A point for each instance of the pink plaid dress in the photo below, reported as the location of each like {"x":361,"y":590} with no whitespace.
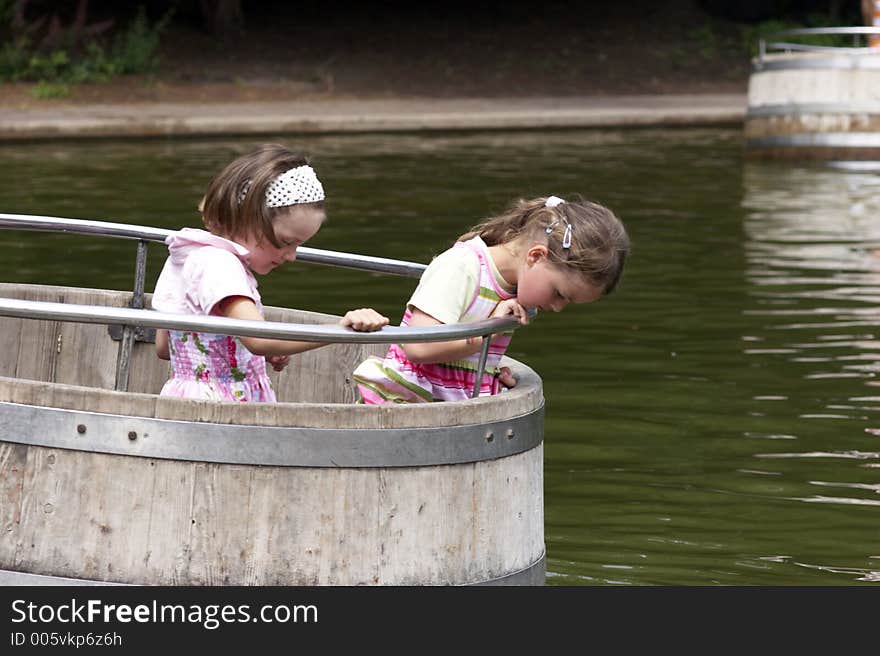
{"x":395,"y":379}
{"x":202,"y":269}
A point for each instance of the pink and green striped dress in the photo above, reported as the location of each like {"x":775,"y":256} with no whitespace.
{"x":395,"y":379}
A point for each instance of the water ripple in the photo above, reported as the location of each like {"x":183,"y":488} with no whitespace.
{"x":863,"y":574}
{"x":849,"y":455}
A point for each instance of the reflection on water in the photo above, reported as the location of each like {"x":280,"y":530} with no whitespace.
{"x":715,"y":421}
{"x":813,"y":257}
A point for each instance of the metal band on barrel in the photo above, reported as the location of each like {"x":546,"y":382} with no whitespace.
{"x":168,"y":439}
{"x":799,"y":109}
{"x":822,"y":139}
{"x":534,"y":574}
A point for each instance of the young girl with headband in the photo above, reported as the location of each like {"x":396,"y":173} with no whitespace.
{"x":256,"y":212}
{"x":540,"y":254}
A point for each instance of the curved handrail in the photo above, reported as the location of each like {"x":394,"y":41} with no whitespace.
{"x":805,"y":47}
{"x":145,"y":233}
{"x":768,"y":41}
{"x":856,"y":29}
{"x":11,"y":307}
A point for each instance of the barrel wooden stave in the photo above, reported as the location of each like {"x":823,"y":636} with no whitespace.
{"x":104,"y":517}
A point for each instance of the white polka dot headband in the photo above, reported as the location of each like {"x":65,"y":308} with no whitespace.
{"x":293,"y":187}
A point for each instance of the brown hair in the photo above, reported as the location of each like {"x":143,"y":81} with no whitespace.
{"x":227,"y":213}
{"x":599,"y":243}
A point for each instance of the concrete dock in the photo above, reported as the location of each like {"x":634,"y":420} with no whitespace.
{"x":341,"y":115}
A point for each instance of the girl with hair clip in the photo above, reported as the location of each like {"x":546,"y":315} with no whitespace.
{"x":540,"y":254}
{"x":256,"y":212}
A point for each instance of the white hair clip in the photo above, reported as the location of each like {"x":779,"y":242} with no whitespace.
{"x":553,"y":201}
{"x":566,"y":237}
{"x":293,"y":187}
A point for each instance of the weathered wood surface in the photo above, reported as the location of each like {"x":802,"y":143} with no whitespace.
{"x":115,"y":518}
{"x":81,"y":354}
{"x":324,"y":374}
{"x":98,"y":516}
{"x":523,"y":399}
{"x":857,"y":86}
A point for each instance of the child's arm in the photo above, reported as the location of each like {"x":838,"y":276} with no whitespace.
{"x":428,"y":352}
{"x":241,"y":307}
{"x":162,"y":344}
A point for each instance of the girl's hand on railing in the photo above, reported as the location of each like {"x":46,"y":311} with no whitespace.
{"x":511,"y":306}
{"x":278,"y":362}
{"x":365,"y":320}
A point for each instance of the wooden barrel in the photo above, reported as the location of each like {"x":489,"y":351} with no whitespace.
{"x":814,"y":105}
{"x":100,"y":486}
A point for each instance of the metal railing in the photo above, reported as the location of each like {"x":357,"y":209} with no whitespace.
{"x":135,"y":316}
{"x":147,"y":234}
{"x":769,"y":42}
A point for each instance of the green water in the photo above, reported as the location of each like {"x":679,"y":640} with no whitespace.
{"x":715,"y":421}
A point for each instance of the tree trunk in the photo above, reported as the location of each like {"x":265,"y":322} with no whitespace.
{"x":223,"y":17}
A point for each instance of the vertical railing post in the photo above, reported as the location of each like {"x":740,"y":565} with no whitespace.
{"x":481,"y":367}
{"x":123,"y":362}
